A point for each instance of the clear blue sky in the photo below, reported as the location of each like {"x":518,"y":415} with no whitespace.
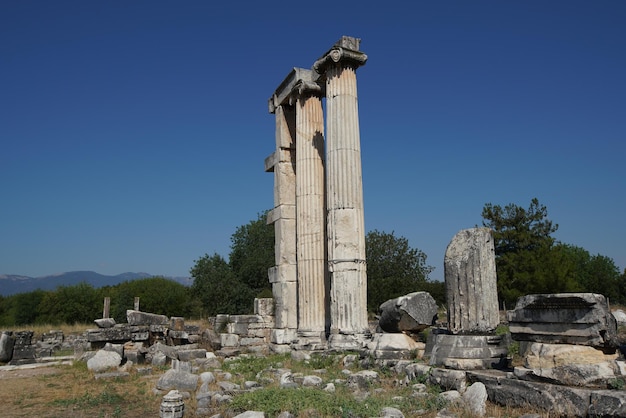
{"x":133,"y":133}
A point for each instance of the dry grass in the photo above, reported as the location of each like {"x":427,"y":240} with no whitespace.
{"x":72,"y":391}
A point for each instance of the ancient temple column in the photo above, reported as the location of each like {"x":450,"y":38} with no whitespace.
{"x":471,"y":282}
{"x":346,"y":230}
{"x":310,"y":212}
{"x":283,"y":216}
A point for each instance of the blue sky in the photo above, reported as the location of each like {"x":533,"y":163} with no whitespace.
{"x":133,"y":134}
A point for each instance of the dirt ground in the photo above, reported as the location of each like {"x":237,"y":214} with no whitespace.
{"x":68,"y":391}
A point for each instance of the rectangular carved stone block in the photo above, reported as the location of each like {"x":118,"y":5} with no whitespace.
{"x":564,"y":318}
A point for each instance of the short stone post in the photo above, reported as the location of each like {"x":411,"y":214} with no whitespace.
{"x":136,"y":303}
{"x":172,"y":405}
{"x":107,"y":307}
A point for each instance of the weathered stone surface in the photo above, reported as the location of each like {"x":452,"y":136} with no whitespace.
{"x":475,"y":399}
{"x":105,"y":322}
{"x":469,"y":352}
{"x":564,"y":318}
{"x":103,"y":360}
{"x":7,"y":341}
{"x":119,"y":332}
{"x":412,"y":313}
{"x":188,"y":355}
{"x":362,"y":379}
{"x":172,"y":405}
{"x":470,"y":275}
{"x":144,"y":318}
{"x":180,"y":380}
{"x":390,"y":412}
{"x":264,"y":306}
{"x":559,"y":400}
{"x":620,"y":317}
{"x":448,"y":379}
{"x":605,"y":403}
{"x":542,"y":356}
{"x":312,"y":380}
{"x":251,"y":414}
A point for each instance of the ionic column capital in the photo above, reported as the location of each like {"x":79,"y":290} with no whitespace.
{"x":339,"y":55}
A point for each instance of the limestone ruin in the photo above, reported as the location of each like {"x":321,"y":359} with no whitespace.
{"x":319,"y":282}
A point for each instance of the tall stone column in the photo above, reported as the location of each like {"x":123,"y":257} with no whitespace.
{"x":310,"y":213}
{"x":283,"y":216}
{"x":346,"y":230}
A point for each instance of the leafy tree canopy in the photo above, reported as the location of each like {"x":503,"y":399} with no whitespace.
{"x":217,"y":288}
{"x":252,"y":253}
{"x":394,"y":268}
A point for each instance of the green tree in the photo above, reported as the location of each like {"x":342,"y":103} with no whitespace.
{"x":80,"y":303}
{"x":523,"y":243}
{"x":252,"y":253}
{"x":217,"y":288}
{"x":24,"y":306}
{"x":157,"y":295}
{"x":393,"y":268}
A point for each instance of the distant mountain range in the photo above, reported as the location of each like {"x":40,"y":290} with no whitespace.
{"x":11,"y":284}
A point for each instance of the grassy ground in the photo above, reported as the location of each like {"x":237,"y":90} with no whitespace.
{"x":72,"y":391}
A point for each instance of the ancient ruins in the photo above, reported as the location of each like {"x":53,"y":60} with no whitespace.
{"x":569,"y":361}
{"x":319,"y":282}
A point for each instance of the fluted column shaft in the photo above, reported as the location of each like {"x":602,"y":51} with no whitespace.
{"x":310,"y":215}
{"x":346,"y":230}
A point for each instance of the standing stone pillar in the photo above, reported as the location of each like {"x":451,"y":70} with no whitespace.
{"x":283,"y":216}
{"x":470,"y":274}
{"x":310,"y":212}
{"x":346,"y":230}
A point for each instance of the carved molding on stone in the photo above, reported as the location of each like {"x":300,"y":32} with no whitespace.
{"x":339,"y":54}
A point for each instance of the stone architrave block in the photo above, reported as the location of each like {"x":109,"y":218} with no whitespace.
{"x":564,"y":318}
{"x":144,"y":318}
{"x":471,"y":283}
{"x":411,"y":313}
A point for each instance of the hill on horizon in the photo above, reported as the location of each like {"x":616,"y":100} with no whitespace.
{"x":11,"y":284}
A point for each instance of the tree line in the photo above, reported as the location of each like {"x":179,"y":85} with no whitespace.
{"x":528,"y":260}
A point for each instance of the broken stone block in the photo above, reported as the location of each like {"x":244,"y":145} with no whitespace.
{"x":105,"y":322}
{"x":144,"y":318}
{"x":469,"y":352}
{"x":564,"y":318}
{"x":565,"y":364}
{"x":264,"y":306}
{"x":104,"y":360}
{"x":7,"y":341}
{"x":410,"y":313}
{"x":471,"y":285}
